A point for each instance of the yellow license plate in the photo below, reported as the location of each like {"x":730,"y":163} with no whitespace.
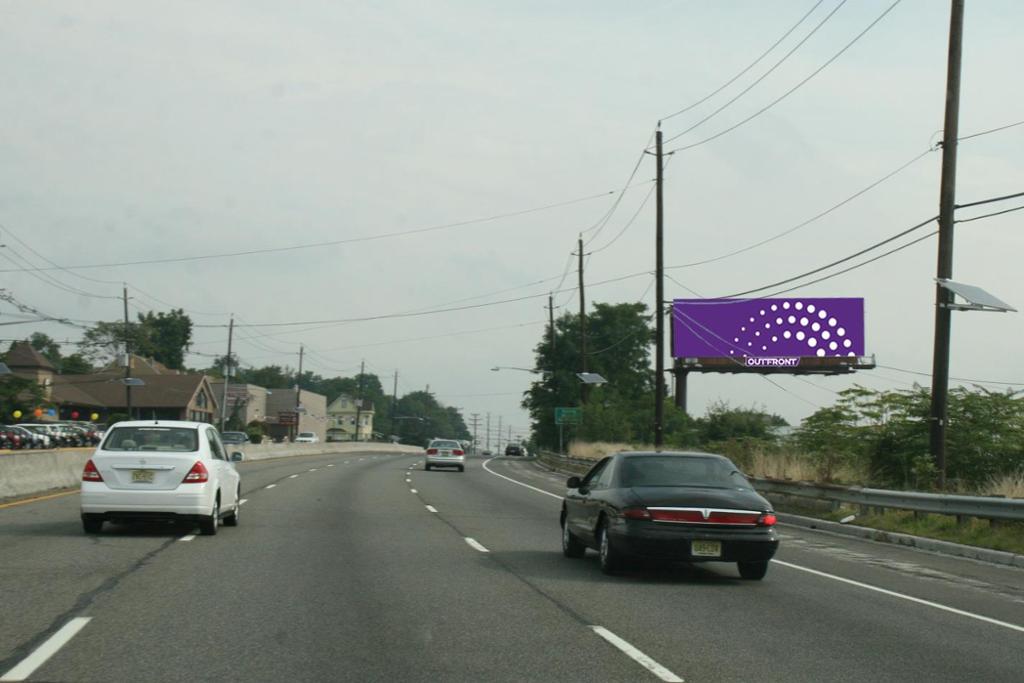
{"x":142,"y":476}
{"x":706,"y":548}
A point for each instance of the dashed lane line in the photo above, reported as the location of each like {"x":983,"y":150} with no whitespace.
{"x":637,"y":656}
{"x":27,"y":666}
{"x":293,"y":476}
{"x":476,"y":545}
{"x":270,"y":486}
{"x":431,"y":508}
{"x":243,"y":501}
{"x":413,"y":491}
{"x":188,"y":537}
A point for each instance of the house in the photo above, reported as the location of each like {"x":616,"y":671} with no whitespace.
{"x":25,"y":362}
{"x":245,"y":402}
{"x":342,"y":415}
{"x":290,"y":412}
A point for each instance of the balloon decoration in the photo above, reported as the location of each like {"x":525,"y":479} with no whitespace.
{"x":17,"y":414}
{"x":94,"y":417}
{"x":74,"y":414}
{"x":38,"y":412}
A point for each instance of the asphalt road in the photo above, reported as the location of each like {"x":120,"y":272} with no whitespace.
{"x":356,"y":567}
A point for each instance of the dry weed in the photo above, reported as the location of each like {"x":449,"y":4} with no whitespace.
{"x":1011,"y":486}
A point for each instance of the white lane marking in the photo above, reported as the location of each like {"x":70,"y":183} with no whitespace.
{"x":293,"y":476}
{"x":42,"y":653}
{"x":431,"y":508}
{"x":243,"y":501}
{"x":637,"y":656}
{"x":408,"y":481}
{"x":894,"y":594}
{"x":270,"y":486}
{"x":413,"y":491}
{"x":361,"y":459}
{"x":476,"y":545}
{"x":313,"y":470}
{"x":331,"y":465}
{"x":532,"y":488}
{"x":187,"y":537}
{"x":345,"y":463}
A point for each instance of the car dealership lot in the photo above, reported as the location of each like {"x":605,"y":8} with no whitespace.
{"x":361,"y":566}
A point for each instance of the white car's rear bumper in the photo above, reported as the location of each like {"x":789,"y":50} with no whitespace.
{"x":186,"y":500}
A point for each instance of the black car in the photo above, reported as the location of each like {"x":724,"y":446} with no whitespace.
{"x":512,"y":449}
{"x":691,"y":507}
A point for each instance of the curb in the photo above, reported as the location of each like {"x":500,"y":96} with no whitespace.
{"x":918,"y":542}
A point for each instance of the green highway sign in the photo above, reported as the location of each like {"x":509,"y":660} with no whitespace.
{"x":568,"y":416}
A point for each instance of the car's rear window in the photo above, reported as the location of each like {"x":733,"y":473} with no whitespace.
{"x":445,"y":444}
{"x":172,"y":439}
{"x":306,"y":434}
{"x":667,"y":470}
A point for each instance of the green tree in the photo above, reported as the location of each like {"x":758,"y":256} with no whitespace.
{"x":165,"y":337}
{"x":45,"y":345}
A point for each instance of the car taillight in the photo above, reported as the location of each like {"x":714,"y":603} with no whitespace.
{"x":456,"y":452}
{"x":636,"y":513}
{"x":767,"y":519}
{"x":90,"y":473}
{"x":197,"y":475}
{"x":431,"y":451}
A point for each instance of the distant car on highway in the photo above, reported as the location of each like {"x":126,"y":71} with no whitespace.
{"x":307,"y":437}
{"x":234,"y":438}
{"x":445,"y":453}
{"x":513,"y":449}
{"x":692,"y":507}
{"x":161,"y":470}
{"x":487,"y":451}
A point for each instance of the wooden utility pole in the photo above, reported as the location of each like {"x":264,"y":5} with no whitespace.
{"x":947,"y":204}
{"x":659,"y":298}
{"x":298,"y":392}
{"x":227,"y":375}
{"x":127,"y":357}
{"x":394,"y":405}
{"x":583,"y":328}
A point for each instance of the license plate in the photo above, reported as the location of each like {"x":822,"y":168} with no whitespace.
{"x":706,"y":549}
{"x":142,"y":476}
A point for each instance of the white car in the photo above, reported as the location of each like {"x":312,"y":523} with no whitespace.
{"x":163,"y":470}
{"x":307,"y":437}
{"x":445,"y":453}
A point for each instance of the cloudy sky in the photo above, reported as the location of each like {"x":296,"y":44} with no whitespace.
{"x":136,"y":131}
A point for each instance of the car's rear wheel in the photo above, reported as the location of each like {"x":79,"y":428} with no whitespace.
{"x":92,"y":524}
{"x":612,"y":560}
{"x":208,"y":526}
{"x":571,"y":546}
{"x":753,"y":571}
{"x":232,"y":517}
{"x":462,"y":468}
{"x":426,"y":468}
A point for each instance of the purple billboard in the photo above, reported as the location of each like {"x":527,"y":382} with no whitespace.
{"x":768,"y":332}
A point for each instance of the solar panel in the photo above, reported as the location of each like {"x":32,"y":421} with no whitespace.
{"x":977,"y":298}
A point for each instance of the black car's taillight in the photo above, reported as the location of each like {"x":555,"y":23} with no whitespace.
{"x":636,"y":513}
{"x":767,"y":519}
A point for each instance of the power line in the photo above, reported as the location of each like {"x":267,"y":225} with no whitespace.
{"x":990,"y":200}
{"x":991,"y":130}
{"x":794,"y":88}
{"x":313,"y":245}
{"x":958,"y":379}
{"x":764,"y":75}
{"x":810,"y":220}
{"x":989,"y":215}
{"x":749,"y":66}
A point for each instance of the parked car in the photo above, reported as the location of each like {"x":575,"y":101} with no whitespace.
{"x":161,"y":470}
{"x":307,"y":437}
{"x":234,"y":438}
{"x":445,"y":453}
{"x":9,"y":439}
{"x":694,"y":507}
{"x":30,"y":439}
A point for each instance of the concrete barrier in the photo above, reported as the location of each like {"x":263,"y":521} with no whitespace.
{"x":26,"y":473}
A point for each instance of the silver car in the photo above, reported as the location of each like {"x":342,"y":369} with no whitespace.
{"x":445,"y":453}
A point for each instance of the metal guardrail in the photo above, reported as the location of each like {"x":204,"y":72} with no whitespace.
{"x":982,"y":507}
{"x":1009,"y":509}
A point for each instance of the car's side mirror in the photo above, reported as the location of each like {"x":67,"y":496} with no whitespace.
{"x":573,"y":482}
{"x":237,"y":456}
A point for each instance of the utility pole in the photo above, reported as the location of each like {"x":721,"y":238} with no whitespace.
{"x":551,"y":328}
{"x":474,"y":420}
{"x":583,"y":328}
{"x":659,"y":298}
{"x":394,"y":404}
{"x":510,"y":433}
{"x":227,"y":375}
{"x":947,"y":204}
{"x":359,"y":399}
{"x":499,"y":433}
{"x":298,"y":390}
{"x":488,"y":431}
{"x":127,"y":357}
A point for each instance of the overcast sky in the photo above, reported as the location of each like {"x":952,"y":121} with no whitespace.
{"x":146,"y":130}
